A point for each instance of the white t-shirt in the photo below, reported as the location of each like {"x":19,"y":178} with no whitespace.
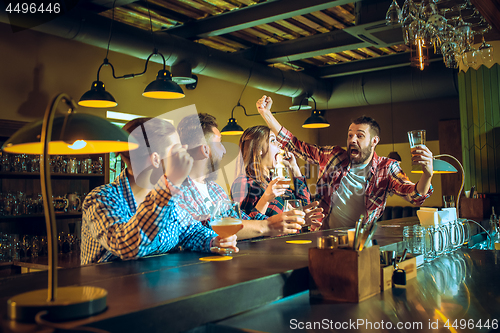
{"x":203,"y":188}
{"x":348,"y":201}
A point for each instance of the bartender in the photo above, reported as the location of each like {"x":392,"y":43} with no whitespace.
{"x":355,"y":181}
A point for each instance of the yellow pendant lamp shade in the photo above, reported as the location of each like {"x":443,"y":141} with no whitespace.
{"x":163,"y":87}
{"x":97,"y":97}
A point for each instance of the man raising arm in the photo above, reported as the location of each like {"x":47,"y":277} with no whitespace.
{"x":355,"y":181}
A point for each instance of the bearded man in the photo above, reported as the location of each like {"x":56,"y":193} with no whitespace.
{"x":355,"y":181}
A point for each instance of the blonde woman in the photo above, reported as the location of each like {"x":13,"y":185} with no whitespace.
{"x":253,"y":187}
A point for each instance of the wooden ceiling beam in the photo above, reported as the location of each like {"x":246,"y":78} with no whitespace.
{"x":490,"y":9}
{"x":252,"y":16}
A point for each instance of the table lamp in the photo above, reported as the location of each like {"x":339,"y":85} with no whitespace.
{"x":77,"y":134}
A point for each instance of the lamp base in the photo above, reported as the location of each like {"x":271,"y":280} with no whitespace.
{"x":71,"y":303}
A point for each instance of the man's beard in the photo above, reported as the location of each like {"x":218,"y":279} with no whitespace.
{"x":212,"y":169}
{"x":362,"y":155}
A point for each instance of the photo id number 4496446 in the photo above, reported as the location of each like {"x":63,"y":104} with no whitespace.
{"x":33,"y":8}
{"x":463,"y":324}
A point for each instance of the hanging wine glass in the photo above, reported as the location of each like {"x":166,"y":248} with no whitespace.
{"x":428,"y":8}
{"x":486,"y":51}
{"x":407,"y":37}
{"x":393,"y":15}
{"x":470,"y":56}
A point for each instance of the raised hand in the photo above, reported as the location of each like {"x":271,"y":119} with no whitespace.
{"x":178,"y":164}
{"x":264,"y":104}
{"x":423,"y":156}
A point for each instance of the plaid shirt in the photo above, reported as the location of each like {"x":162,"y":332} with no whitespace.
{"x":385,"y":176}
{"x":247,"y":191}
{"x":114,"y":226}
{"x":193,"y":201}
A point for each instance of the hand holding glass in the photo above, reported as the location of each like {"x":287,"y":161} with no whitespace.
{"x":226,"y":222}
{"x":281,"y":172}
{"x":294,"y":204}
{"x":416,"y":138}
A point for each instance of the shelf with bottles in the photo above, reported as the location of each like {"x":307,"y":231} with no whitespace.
{"x":21,"y":199}
{"x":24,"y":165}
{"x":30,"y":250}
{"x":20,"y":218}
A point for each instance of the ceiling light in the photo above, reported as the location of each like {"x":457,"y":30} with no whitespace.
{"x":300,"y":103}
{"x":181,"y":73}
{"x":97,"y":96}
{"x":232,"y":127}
{"x":121,"y":115}
{"x":163,"y":87}
{"x":316,"y":120}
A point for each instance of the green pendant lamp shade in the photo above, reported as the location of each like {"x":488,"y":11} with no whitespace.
{"x":163,"y":87}
{"x":232,"y":128}
{"x":80,"y":134}
{"x":316,"y":120}
{"x":97,"y":97}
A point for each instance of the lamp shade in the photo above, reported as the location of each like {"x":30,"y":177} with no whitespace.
{"x":300,"y":103}
{"x":438,"y":167}
{"x":82,"y":134}
{"x":316,"y":120}
{"x":232,"y":128}
{"x":163,"y":87}
{"x":181,"y":73}
{"x":97,"y":97}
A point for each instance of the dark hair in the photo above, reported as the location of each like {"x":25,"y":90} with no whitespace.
{"x":252,"y":142}
{"x":152,"y":134}
{"x":369,"y":121}
{"x":189,"y":132}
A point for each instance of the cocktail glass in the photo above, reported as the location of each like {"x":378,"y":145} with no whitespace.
{"x":226,"y":222}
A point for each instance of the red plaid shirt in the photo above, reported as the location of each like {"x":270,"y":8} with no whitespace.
{"x":385,"y":176}
{"x":247,"y":191}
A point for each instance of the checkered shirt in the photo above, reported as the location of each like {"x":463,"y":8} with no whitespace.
{"x":385,"y":177}
{"x":192,"y":201}
{"x":247,"y":191}
{"x":114,"y":226}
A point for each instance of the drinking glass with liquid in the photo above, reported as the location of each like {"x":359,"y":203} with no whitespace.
{"x":226,"y":221}
{"x":416,"y":139}
{"x":295,"y":204}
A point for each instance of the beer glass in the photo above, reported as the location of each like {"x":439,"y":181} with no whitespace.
{"x":281,"y":172}
{"x":416,"y":138}
{"x":295,"y":204}
{"x":226,"y":221}
{"x":434,"y":243}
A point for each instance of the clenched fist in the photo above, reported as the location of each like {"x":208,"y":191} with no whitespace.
{"x":178,"y":164}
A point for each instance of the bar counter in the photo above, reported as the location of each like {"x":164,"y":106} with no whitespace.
{"x":263,"y":288}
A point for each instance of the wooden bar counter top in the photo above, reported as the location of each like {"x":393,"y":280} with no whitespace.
{"x":177,"y":292}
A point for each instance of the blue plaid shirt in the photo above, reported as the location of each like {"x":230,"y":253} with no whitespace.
{"x":192,"y":201}
{"x":115,"y":226}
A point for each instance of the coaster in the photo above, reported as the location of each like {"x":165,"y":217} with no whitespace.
{"x":216,"y":258}
{"x":299,"y":241}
